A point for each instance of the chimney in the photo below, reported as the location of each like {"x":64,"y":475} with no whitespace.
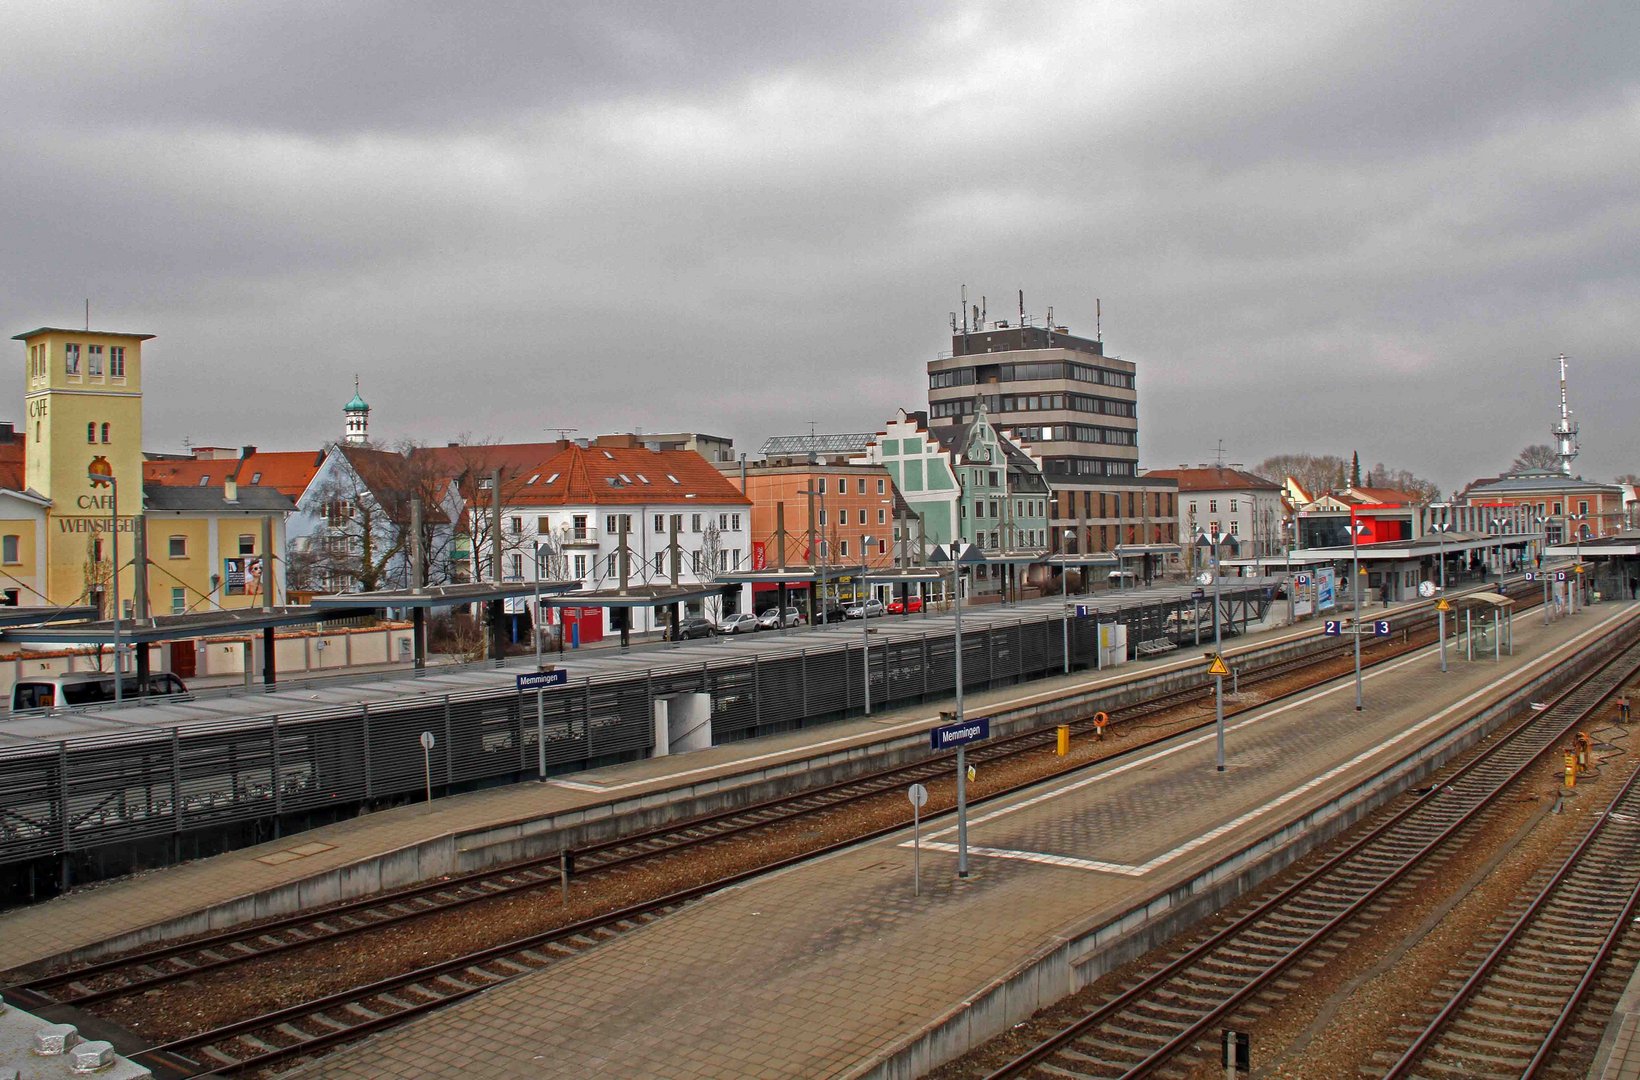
{"x":7,"y":432}
{"x":230,"y":490}
{"x":247,"y":451}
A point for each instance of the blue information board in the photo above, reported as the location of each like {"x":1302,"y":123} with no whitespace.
{"x":953,"y":735}
{"x":540,"y":680}
{"x":1332,"y":627}
{"x":1380,"y":627}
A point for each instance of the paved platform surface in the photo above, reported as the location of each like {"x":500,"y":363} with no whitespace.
{"x":110,"y":909}
{"x":1619,"y":1056}
{"x":822,"y":969}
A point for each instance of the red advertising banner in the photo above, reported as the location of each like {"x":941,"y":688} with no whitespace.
{"x":760,"y":555}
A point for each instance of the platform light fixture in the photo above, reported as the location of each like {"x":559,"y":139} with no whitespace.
{"x":1355,"y":590}
{"x":1214,"y":541}
{"x":1440,"y":532}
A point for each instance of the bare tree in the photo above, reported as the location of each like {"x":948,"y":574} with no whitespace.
{"x":1536,"y":456}
{"x":1316,"y":474}
{"x":711,"y":550}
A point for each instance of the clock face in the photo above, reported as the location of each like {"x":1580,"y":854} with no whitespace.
{"x":1426,"y":588}
{"x":1204,"y":578}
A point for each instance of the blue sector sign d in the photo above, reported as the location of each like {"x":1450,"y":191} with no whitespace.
{"x":951,"y":735}
{"x":540,"y":680}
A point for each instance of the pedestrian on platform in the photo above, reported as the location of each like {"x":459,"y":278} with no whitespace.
{"x":1634,"y":587}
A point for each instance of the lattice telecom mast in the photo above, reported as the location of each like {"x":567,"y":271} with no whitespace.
{"x":1565,"y":432}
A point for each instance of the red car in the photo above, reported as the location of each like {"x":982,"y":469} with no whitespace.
{"x":911,"y":604}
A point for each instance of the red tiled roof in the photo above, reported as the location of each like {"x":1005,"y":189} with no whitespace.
{"x":13,"y":471}
{"x":287,"y":471}
{"x":1385,"y":495}
{"x":451,"y":462}
{"x":1213,"y":479}
{"x":617,"y":475}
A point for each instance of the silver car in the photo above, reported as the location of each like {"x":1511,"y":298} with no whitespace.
{"x":772,"y":619}
{"x":738,"y":624}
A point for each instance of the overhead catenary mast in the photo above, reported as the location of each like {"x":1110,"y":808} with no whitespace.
{"x":1565,"y":431}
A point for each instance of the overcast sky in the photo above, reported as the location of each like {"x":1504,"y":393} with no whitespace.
{"x":1314,"y":226}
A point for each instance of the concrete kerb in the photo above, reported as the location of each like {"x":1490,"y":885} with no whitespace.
{"x":467,"y":850}
{"x":1080,"y":955}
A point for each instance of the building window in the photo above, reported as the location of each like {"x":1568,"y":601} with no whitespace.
{"x":862,"y":485}
{"x":609,"y":565}
{"x":179,"y":547}
{"x":105,"y":434}
{"x":723,"y":521}
{"x":882,"y":517}
{"x":247,"y":544}
{"x":204,"y":481}
{"x":862,"y":517}
{"x":882,"y":547}
{"x":518,"y":566}
{"x":842,"y":549}
{"x":71,"y":359}
{"x":580,"y":566}
{"x":660,"y":523}
{"x":93,"y":361}
{"x":1583,"y":506}
{"x":660,"y":562}
{"x":822,"y":518}
{"x":723,"y":560}
{"x":734,"y":522}
{"x":882,"y":486}
{"x":516,"y":524}
{"x":179,"y":600}
{"x":1212,"y":508}
{"x":256,"y":478}
{"x":842,"y":485}
{"x":1232,"y":506}
{"x":694,"y":563}
{"x":8,"y":549}
{"x":91,"y":432}
{"x":116,"y":361}
{"x":694,"y":523}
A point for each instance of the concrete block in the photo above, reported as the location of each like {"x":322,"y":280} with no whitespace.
{"x":91,"y":1056}
{"x":54,"y":1039}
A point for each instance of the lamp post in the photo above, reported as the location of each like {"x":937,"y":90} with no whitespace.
{"x":1543,"y":522}
{"x":1287,"y":558}
{"x":865,"y":622}
{"x":540,"y":695}
{"x":1355,"y":591}
{"x":1213,"y":540}
{"x":1064,"y":601}
{"x":962,"y":750}
{"x":1577,"y":569}
{"x":1498,"y":525}
{"x":1440,"y":612}
{"x":114,"y":574}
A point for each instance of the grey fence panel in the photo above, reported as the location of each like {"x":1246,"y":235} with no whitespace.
{"x":29,"y":787}
{"x":224,"y":776}
{"x":621,"y":721}
{"x":828,"y":674}
{"x":942,"y":665}
{"x":902,"y":660}
{"x":734,"y":700}
{"x":780,"y":691}
{"x":119,"y":792}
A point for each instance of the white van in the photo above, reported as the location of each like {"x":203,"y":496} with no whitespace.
{"x":87,"y":688}
{"x":1123,"y":579}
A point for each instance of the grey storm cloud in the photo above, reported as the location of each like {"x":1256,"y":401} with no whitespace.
{"x":1323,"y":227}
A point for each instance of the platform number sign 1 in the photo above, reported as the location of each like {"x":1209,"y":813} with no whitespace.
{"x":1332,"y":627}
{"x":1380,"y":627}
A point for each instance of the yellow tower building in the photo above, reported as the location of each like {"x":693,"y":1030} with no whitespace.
{"x":83,"y":449}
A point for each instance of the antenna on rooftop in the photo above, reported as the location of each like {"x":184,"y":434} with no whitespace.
{"x":1098,"y":321}
{"x":564,"y":432}
{"x":1565,"y":431}
{"x":965,"y":309}
{"x":1022,"y":307}
{"x":1218,"y":455}
{"x":88,"y":314}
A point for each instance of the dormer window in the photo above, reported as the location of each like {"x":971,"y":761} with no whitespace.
{"x":642,"y":479}
{"x":205,"y":481}
{"x":608,"y":455}
{"x":553,"y":478}
{"x":256,"y":478}
{"x":672,"y":478}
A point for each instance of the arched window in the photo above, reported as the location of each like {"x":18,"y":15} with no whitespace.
{"x":91,"y":432}
{"x":105,"y":433}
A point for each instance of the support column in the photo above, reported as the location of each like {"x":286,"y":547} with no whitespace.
{"x":418,"y":637}
{"x":269,"y":664}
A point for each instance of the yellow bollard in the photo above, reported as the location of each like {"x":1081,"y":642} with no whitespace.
{"x":1064,"y":745}
{"x":1571,"y":769}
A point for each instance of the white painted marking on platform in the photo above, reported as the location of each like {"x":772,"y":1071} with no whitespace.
{"x":1047,"y":859}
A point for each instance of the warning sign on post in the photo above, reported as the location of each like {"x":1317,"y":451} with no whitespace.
{"x":1217,"y":667}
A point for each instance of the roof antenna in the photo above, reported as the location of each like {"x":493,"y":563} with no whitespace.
{"x":1022,"y":307}
{"x":88,"y":314}
{"x":965,"y":309}
{"x":564,"y":432}
{"x":1098,"y":321}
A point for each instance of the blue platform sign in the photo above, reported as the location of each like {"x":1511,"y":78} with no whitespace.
{"x":954,"y":735}
{"x":540,"y":680}
{"x":1083,"y":611}
{"x":1301,"y":579}
{"x":1531,"y":575}
{"x":1560,"y":575}
{"x":1380,"y":627}
{"x":1332,"y":627}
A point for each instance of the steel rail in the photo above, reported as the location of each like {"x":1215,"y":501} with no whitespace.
{"x":1629,"y":659}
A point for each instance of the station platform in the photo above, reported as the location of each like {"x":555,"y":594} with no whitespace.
{"x":232,"y":887}
{"x":837,"y":969}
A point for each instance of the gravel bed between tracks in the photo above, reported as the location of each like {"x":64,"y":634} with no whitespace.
{"x":212,"y":999}
{"x":1333,"y":1019}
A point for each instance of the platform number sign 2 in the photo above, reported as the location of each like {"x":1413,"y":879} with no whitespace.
{"x":1380,"y":627}
{"x":1332,"y":627}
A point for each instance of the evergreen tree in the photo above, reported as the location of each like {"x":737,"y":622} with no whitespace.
{"x":1355,"y":468}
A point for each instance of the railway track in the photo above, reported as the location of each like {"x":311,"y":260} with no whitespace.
{"x":90,"y":984}
{"x":1521,"y":1005}
{"x":1163,"y":1021}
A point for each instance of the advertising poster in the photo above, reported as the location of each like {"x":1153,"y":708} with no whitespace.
{"x":242,"y":576}
{"x":760,"y":555}
{"x":1326,"y":589}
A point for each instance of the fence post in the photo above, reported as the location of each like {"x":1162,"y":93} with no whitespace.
{"x":803,"y":675}
{"x":278,"y":780}
{"x":368,"y":784}
{"x":586,"y":714}
{"x":449,"y":756}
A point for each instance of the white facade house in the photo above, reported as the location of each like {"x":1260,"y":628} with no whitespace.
{"x":1231,"y":501}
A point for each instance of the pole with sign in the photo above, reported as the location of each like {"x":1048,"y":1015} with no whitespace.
{"x":427,"y":742}
{"x":539,"y":681}
{"x":1218,"y":669}
{"x":919,"y":798}
{"x":959,"y":733}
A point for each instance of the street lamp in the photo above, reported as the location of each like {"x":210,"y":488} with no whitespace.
{"x":1213,"y":540}
{"x":1498,"y":525}
{"x":1355,"y":591}
{"x":1064,"y":601}
{"x":1440,"y":611}
{"x":865,"y":621}
{"x":540,"y":695}
{"x":1544,"y":522}
{"x":817,"y":488}
{"x":114,"y":574}
{"x":1287,"y":558}
{"x":1577,"y":570}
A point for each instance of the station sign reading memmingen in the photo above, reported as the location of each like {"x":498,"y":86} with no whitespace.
{"x":952,"y":735}
{"x":540,"y":680}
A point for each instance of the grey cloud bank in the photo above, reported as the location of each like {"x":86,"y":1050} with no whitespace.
{"x":1314,"y":227}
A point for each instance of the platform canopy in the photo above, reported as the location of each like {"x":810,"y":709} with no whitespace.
{"x":1423,"y":547}
{"x":1131,"y":551}
{"x":33,"y":616}
{"x":635,"y":596}
{"x":432,"y":596}
{"x":1016,"y":558}
{"x":911,"y":575}
{"x":791,"y":575}
{"x":1624,"y":545}
{"x":175,"y":627}
{"x":1092,"y":558}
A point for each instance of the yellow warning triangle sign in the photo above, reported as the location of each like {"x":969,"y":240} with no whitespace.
{"x":1442,"y":605}
{"x":1217,"y":666}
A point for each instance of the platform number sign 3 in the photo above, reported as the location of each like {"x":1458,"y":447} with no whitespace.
{"x":1380,"y":627}
{"x":1332,"y":627}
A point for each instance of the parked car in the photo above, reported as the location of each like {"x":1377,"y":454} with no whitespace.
{"x":772,"y":619}
{"x":88,"y":688}
{"x":744,"y":623}
{"x":871,"y":609}
{"x":831,"y":613}
{"x":695,"y":628}
{"x":911,"y":604}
